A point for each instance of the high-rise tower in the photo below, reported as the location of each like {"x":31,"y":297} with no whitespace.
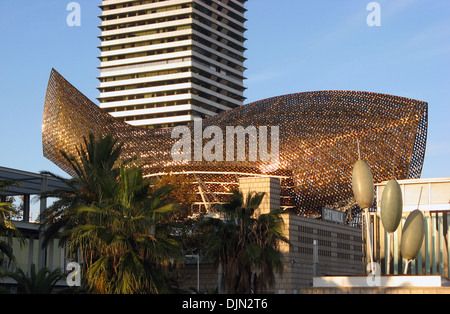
{"x":166,"y":62}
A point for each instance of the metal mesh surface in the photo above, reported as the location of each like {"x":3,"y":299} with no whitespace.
{"x":317,"y":148}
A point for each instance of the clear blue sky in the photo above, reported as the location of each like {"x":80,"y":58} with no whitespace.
{"x":293,"y":46}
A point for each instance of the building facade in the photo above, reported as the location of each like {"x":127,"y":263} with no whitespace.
{"x":27,"y":188}
{"x":166,"y":62}
{"x":317,"y":248}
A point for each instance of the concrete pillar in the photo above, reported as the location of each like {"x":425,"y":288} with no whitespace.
{"x":315,"y":258}
{"x":43,"y":207}
{"x":50,"y":255}
{"x":26,"y":208}
{"x":30,"y":251}
{"x":269,"y":185}
{"x":62,"y":257}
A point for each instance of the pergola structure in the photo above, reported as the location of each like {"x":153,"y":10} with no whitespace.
{"x":28,"y":184}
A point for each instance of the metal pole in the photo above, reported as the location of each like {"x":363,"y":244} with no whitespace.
{"x":406,"y":267}
{"x":219,"y":279}
{"x":315,"y":258}
{"x":388,"y":266}
{"x":198,"y":269}
{"x":198,"y":272}
{"x":369,"y":239}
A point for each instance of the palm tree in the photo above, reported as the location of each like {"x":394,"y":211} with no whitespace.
{"x":8,"y":230}
{"x":41,"y":282}
{"x":109,"y":215}
{"x":246,"y":246}
{"x":130,"y":253}
{"x":96,"y":170}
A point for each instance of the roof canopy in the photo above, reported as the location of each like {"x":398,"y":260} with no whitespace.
{"x":27,"y":182}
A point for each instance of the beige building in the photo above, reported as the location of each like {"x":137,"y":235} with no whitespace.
{"x":166,"y":62}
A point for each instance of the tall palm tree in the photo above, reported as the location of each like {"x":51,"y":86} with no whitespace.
{"x":96,"y":168}
{"x":246,"y":245}
{"x":130,"y":254}
{"x":109,"y":215}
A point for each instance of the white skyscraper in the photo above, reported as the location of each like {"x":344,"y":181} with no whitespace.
{"x":166,"y":62}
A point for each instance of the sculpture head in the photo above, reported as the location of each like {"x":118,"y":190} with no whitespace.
{"x":391,"y":206}
{"x":412,"y":235}
{"x":362,"y":184}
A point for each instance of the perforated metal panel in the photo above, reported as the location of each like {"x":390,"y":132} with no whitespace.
{"x":317,"y":148}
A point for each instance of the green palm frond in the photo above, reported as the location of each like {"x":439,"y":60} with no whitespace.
{"x":243,"y":243}
{"x":36,"y":282}
{"x":8,"y":230}
{"x":108,"y":213}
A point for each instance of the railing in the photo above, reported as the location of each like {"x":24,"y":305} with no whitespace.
{"x":434,"y":257}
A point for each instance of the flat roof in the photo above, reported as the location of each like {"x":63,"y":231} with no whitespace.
{"x":28,"y":182}
{"x":417,"y":181}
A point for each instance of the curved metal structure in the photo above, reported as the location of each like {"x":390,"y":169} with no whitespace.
{"x":318,"y":136}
